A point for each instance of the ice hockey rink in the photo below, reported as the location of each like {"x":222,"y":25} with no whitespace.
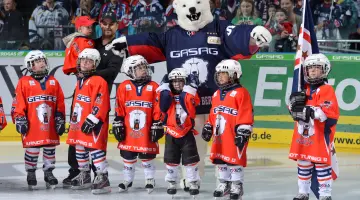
{"x":269,"y":176}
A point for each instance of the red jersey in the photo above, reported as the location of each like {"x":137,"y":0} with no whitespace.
{"x":91,"y":100}
{"x":72,"y":53}
{"x":180,"y":116}
{"x":312,"y":141}
{"x":229,"y":109}
{"x":138,"y":106}
{"x":38,"y":102}
{"x":3,"y":122}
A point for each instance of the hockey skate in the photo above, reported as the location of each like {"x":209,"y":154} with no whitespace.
{"x":31,"y":179}
{"x":194,"y":188}
{"x":222,"y":189}
{"x":325,"y":198}
{"x":184,"y":185}
{"x":50,"y":179}
{"x":72,"y":174}
{"x":149,"y":185}
{"x":81,"y":181}
{"x":301,"y":196}
{"x":172,"y":188}
{"x":236,"y":191}
{"x":101,"y":184}
{"x":124,"y":186}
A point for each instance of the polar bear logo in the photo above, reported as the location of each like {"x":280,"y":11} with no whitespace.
{"x":180,"y":114}
{"x":43,"y":113}
{"x":197,"y":66}
{"x":76,"y":114}
{"x":137,"y":120}
{"x":220,"y":125}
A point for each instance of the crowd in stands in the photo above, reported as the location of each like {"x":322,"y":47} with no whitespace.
{"x":41,"y":24}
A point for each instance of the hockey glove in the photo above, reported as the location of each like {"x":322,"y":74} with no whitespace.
{"x":119,"y":128}
{"x":304,"y":115}
{"x":22,"y":125}
{"x":118,"y":47}
{"x":297,"y":101}
{"x":157,"y":131}
{"x":261,"y":36}
{"x":59,"y":123}
{"x":193,"y":80}
{"x":207,"y":132}
{"x":242,"y":136}
{"x":87,"y":126}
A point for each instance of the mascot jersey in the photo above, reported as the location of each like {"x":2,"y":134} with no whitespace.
{"x":312,"y":141}
{"x":3,"y":122}
{"x":139,"y":108}
{"x":91,"y":99}
{"x":229,"y":108}
{"x":39,"y":102}
{"x":197,"y":52}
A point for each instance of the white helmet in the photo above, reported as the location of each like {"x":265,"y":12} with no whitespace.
{"x":131,"y":63}
{"x":178,"y":73}
{"x":232,"y":67}
{"x":316,"y":60}
{"x":91,"y":54}
{"x":29,"y":63}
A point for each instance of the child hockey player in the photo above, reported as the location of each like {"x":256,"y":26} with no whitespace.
{"x":136,"y":125}
{"x":178,"y":100}
{"x":39,"y":115}
{"x":3,"y":122}
{"x":316,"y":112}
{"x":77,"y":42}
{"x":89,"y":124}
{"x":230,"y":122}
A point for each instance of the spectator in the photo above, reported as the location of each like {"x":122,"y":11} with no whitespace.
{"x":246,"y":14}
{"x":91,"y":9}
{"x":327,"y":19}
{"x":49,"y":15}
{"x":271,"y":21}
{"x":283,"y":44}
{"x":13,"y":34}
{"x":288,"y":6}
{"x":214,"y":10}
{"x":262,"y":7}
{"x":228,"y":8}
{"x":148,"y":16}
{"x":298,"y":7}
{"x":170,"y":16}
{"x":349,"y":17}
{"x":121,"y":10}
{"x":355,"y":36}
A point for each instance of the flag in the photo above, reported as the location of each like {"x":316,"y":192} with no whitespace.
{"x":307,"y":45}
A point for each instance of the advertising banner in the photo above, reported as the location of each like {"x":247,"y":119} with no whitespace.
{"x":268,"y":77}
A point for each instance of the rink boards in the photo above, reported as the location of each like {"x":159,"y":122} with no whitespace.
{"x":268,"y":77}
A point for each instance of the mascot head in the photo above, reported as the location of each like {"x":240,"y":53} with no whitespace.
{"x":193,"y":14}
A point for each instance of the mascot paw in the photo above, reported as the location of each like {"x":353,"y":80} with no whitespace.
{"x":118,"y":46}
{"x":261,"y":35}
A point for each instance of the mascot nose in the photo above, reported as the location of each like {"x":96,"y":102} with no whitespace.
{"x":192,"y":10}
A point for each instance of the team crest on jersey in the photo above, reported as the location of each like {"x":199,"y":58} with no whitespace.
{"x":198,"y":67}
{"x":233,"y":93}
{"x":137,"y":121}
{"x":214,"y":40}
{"x":43,"y":112}
{"x":128,"y":87}
{"x":52,"y":82}
{"x":219,"y":125}
{"x":31,"y":82}
{"x":180,"y":116}
{"x":98,"y":98}
{"x":149,"y":88}
{"x":326,"y":104}
{"x":76,"y":114}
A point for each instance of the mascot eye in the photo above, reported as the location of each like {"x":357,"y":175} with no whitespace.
{"x":184,"y":5}
{"x":198,"y":2}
